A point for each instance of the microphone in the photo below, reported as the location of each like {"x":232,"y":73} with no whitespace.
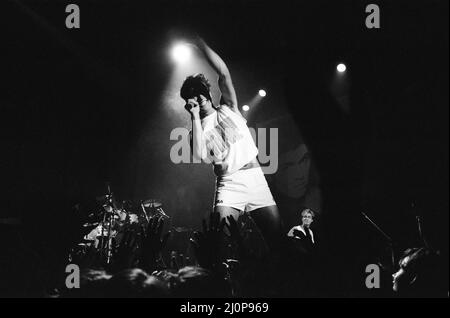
{"x":419,"y":227}
{"x":189,"y":106}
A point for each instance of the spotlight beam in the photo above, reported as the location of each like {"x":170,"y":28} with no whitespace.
{"x":341,"y":68}
{"x":181,"y":53}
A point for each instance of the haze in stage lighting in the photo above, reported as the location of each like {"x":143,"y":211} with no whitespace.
{"x":245,"y":108}
{"x":181,"y":53}
{"x":262,"y":93}
{"x":341,"y":68}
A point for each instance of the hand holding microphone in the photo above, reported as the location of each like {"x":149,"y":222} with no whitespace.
{"x":193,"y":108}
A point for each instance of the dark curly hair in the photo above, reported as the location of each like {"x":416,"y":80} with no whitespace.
{"x":195,"y":85}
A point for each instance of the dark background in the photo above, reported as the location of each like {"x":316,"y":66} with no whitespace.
{"x":82,"y":107}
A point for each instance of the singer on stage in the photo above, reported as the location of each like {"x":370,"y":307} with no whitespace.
{"x":220,"y":135}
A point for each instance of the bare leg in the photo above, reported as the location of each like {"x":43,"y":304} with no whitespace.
{"x":268,"y":221}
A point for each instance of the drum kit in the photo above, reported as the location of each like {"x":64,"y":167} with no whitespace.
{"x":112,"y":220}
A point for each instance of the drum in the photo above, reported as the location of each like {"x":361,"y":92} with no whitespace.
{"x":134,"y":218}
{"x":99,"y":234}
{"x":94,"y":233}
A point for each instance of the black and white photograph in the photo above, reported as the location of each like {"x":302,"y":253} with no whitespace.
{"x":224,"y":153}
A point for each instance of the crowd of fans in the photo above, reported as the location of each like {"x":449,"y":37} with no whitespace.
{"x":224,"y":266}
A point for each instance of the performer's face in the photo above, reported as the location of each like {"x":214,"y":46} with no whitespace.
{"x":201,"y":101}
{"x":307,"y":219}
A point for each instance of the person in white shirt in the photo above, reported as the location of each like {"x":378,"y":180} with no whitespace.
{"x":303,"y":232}
{"x":220,"y":136}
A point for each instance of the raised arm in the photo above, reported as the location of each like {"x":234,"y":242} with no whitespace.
{"x":225,"y":84}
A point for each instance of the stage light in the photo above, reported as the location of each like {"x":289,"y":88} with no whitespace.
{"x":341,"y":68}
{"x":181,"y":53}
{"x":245,"y":108}
{"x":262,"y":93}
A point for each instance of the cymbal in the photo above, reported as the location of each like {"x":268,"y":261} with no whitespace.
{"x":152,"y":203}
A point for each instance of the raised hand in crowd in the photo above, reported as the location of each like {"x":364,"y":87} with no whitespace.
{"x":208,"y":243}
{"x":152,"y":243}
{"x":236,"y":236}
{"x":126,"y":255}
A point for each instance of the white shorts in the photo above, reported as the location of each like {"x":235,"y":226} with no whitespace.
{"x":245,"y":190}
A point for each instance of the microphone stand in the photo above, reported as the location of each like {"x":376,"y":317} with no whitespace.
{"x":387,"y":237}
{"x":422,"y":237}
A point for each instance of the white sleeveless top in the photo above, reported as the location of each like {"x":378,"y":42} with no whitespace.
{"x":229,"y":143}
